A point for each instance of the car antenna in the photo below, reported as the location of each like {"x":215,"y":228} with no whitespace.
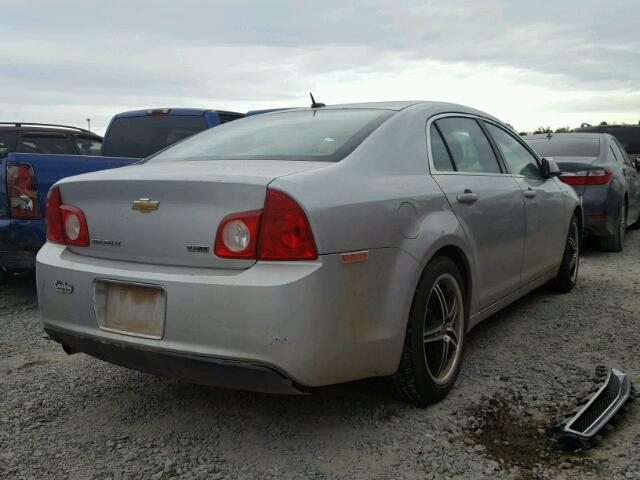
{"x":315,"y":104}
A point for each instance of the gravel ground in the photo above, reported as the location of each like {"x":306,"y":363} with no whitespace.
{"x":76,"y":417}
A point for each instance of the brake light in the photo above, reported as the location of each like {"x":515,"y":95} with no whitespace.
{"x":22,"y":191}
{"x":237,"y":235}
{"x":54,"y":217}
{"x":158,"y":111}
{"x":587,"y":177}
{"x":66,"y":224}
{"x":285,"y":233}
{"x":279,"y":232}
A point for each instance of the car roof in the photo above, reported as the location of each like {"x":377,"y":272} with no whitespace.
{"x":423,"y":106}
{"x":567,"y":135}
{"x":172,"y":111}
{"x":42,"y":127}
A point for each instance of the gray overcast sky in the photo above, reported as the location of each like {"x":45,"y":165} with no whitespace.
{"x":529,"y":63}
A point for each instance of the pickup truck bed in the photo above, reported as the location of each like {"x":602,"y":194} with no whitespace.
{"x":20,"y":239}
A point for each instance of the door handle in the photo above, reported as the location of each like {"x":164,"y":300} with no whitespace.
{"x":530,"y":193}
{"x":467,"y":197}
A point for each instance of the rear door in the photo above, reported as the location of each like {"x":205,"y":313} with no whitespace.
{"x":546,"y":227}
{"x":632,"y":178}
{"x":487,"y":202}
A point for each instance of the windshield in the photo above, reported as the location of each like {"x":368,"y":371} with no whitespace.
{"x":139,"y":137}
{"x":565,"y":147}
{"x":317,"y":135}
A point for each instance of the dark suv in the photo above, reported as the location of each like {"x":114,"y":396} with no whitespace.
{"x":24,"y":137}
{"x":627,"y":135}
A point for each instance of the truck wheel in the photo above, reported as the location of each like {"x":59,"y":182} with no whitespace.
{"x":615,"y":242}
{"x":568,"y":274}
{"x":434,"y":340}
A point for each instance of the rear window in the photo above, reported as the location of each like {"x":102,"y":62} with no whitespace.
{"x":317,"y":135}
{"x":140,"y":137}
{"x":565,"y":147}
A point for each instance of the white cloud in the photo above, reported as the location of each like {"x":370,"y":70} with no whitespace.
{"x":546,"y":64}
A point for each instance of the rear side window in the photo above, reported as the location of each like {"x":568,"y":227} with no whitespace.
{"x":565,"y":147}
{"x":468,"y":145}
{"x":314,"y":135}
{"x":613,"y":155}
{"x":8,"y":140}
{"x":518,"y":158}
{"x":439,"y":153}
{"x":139,"y":137}
{"x":88,"y":145}
{"x":50,"y":143}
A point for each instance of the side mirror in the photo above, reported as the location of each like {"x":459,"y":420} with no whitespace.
{"x":4,"y":152}
{"x":550,"y":168}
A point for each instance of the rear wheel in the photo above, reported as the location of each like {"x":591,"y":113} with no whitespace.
{"x":615,"y":242}
{"x":568,"y":274}
{"x":434,"y":341}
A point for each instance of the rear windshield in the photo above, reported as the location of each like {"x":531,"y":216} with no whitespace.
{"x":139,"y":137}
{"x":317,"y":135}
{"x":565,"y":147}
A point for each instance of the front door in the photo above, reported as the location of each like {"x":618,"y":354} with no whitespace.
{"x":487,"y":202}
{"x":546,"y":226}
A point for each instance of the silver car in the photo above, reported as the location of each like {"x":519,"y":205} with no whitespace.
{"x":308,"y":247}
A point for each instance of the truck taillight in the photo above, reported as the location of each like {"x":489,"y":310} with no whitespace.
{"x":66,"y":224}
{"x":279,"y":232}
{"x":22,"y":191}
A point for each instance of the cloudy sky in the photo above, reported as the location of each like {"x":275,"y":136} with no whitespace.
{"x":529,"y":63}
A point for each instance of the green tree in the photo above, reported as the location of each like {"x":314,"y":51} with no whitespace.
{"x":563,"y":130}
{"x":542,"y":130}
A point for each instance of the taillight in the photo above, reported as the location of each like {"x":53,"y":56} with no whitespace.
{"x":237,"y":235}
{"x":22,"y":191}
{"x":587,"y":177}
{"x":280,"y":232}
{"x":285,"y":233}
{"x":66,"y":224}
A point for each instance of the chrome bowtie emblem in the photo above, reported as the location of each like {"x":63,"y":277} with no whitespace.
{"x":145,"y":205}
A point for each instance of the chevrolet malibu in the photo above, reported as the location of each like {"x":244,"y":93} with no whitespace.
{"x":308,"y":247}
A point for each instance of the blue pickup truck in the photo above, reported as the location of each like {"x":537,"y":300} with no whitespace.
{"x":25,"y":178}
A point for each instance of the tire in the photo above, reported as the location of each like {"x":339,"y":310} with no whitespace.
{"x":615,"y":242}
{"x":568,"y":274}
{"x":439,"y":313}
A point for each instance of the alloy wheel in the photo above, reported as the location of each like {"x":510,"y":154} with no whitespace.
{"x":442,"y":328}
{"x":574,"y":250}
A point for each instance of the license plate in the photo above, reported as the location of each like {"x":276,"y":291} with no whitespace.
{"x":137,"y":310}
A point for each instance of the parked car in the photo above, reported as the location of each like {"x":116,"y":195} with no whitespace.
{"x":46,"y":154}
{"x":308,"y":247}
{"x":608,"y":182}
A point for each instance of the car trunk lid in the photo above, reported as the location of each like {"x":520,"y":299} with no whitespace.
{"x":168,"y":213}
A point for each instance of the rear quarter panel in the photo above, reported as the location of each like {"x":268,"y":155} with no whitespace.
{"x":382,"y":196}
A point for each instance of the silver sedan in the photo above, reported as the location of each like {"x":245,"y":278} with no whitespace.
{"x":308,"y":247}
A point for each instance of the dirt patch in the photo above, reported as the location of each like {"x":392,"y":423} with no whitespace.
{"x":515,"y":436}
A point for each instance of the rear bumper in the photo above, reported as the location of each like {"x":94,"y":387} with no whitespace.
{"x":15,"y":257}
{"x":317,"y":323}
{"x":196,"y":369}
{"x":601,"y":210}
